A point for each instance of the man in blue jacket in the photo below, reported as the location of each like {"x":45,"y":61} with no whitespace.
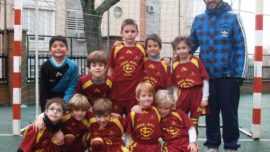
{"x":220,"y":35}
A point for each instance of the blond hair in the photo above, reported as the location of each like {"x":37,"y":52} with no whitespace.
{"x":144,"y":87}
{"x":102,"y":107}
{"x":164,"y":98}
{"x":79,"y":102}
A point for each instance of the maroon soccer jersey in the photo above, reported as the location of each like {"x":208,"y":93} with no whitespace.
{"x":190,"y":74}
{"x":175,"y":126}
{"x":76,"y":128}
{"x":127,"y":70}
{"x":92,"y":91}
{"x":144,"y":127}
{"x":158,"y":74}
{"x":110,"y":134}
{"x":39,"y":141}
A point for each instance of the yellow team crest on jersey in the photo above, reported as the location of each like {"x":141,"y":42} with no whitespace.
{"x":146,"y":131}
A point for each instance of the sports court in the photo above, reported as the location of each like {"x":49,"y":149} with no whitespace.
{"x":9,"y":143}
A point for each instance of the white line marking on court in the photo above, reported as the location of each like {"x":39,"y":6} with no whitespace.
{"x":263,"y":140}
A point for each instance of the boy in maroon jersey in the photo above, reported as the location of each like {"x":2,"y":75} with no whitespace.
{"x":126,"y":68}
{"x":106,"y":129}
{"x":50,"y":138}
{"x":178,"y":131}
{"x":156,"y":72}
{"x":143,"y":131}
{"x":74,"y":124}
{"x":96,"y":84}
{"x":191,"y":78}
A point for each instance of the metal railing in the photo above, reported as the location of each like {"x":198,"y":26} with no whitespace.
{"x":80,"y":60}
{"x":3,"y":68}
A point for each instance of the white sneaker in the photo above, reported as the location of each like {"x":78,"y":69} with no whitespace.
{"x":230,"y":150}
{"x":212,"y":150}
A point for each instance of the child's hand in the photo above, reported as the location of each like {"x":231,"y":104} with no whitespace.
{"x":117,"y":43}
{"x":204,"y":103}
{"x":136,"y":109}
{"x":38,"y":124}
{"x":192,"y":147}
{"x":115,"y":115}
{"x":58,"y":138}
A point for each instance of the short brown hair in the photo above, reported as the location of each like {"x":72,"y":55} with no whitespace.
{"x":102,"y":107}
{"x":144,"y":86}
{"x":56,"y":100}
{"x":79,"y":102}
{"x":153,"y":37}
{"x":165,"y":98}
{"x":97,"y":57}
{"x":179,"y":39}
{"x":129,"y":21}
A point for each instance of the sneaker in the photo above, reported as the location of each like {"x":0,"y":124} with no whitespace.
{"x":212,"y":150}
{"x":230,"y":150}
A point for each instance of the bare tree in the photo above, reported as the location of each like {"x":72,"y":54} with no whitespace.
{"x":92,"y":22}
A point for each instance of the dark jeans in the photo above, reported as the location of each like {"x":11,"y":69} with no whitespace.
{"x":224,"y":98}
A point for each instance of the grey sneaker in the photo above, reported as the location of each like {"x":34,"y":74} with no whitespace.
{"x":212,"y":150}
{"x":230,"y":150}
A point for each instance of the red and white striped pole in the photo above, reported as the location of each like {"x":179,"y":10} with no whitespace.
{"x":257,"y":91}
{"x":17,"y":46}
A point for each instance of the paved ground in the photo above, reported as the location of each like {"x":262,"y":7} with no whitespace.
{"x":9,"y":143}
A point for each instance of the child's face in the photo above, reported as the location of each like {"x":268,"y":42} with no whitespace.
{"x":103,"y":120}
{"x":152,"y":48}
{"x":164,"y":110}
{"x":97,"y":70}
{"x":78,"y":114}
{"x":182,"y":50}
{"x":58,"y":49}
{"x":145,"y":99}
{"x":129,"y":33}
{"x":54,"y":112}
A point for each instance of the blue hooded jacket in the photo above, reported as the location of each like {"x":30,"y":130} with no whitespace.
{"x":220,"y":35}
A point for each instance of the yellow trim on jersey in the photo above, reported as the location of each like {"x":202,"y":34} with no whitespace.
{"x":118,"y":123}
{"x":40,"y":133}
{"x":131,"y":145}
{"x":132,"y":115}
{"x":124,"y":149}
{"x":195,"y":62}
{"x":165,"y":66}
{"x":109,"y":83}
{"x":86,"y":123}
{"x":117,"y":49}
{"x":66,"y":117}
{"x":155,"y":109}
{"x":141,"y":48}
{"x":175,"y":64}
{"x":177,"y":115}
{"x":164,"y":147}
{"x":87,"y":84}
{"x":92,"y":120}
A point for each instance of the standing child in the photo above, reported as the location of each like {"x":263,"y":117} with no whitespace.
{"x":50,"y":137}
{"x":156,"y":72}
{"x":96,"y":84}
{"x":58,"y":75}
{"x":126,"y":68}
{"x":178,"y":133}
{"x":191,"y":79}
{"x":143,"y":128}
{"x":106,"y":129}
